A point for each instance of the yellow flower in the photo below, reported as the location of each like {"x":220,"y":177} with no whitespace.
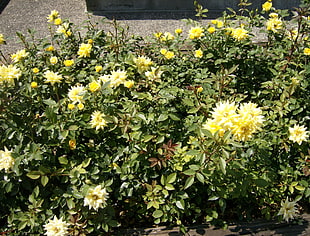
{"x":19,"y":55}
{"x":71,"y":106}
{"x":213,"y":127}
{"x":6,"y":159}
{"x":94,"y":86}
{"x":68,"y":63}
{"x":9,"y":73}
{"x":64,"y":29}
{"x":80,"y":106}
{"x":53,"y":60}
{"x":90,"y":41}
{"x":154,"y":74}
{"x":239,"y":33}
{"x":128,"y":83}
{"x":84,"y":50}
{"x":54,"y":15}
{"x":169,"y":55}
{"x":211,"y":30}
{"x":98,"y":68}
{"x":76,"y":94}
{"x":166,"y":36}
{"x":307,"y":51}
{"x":274,"y":24}
{"x":219,"y":24}
{"x":50,"y":48}
{"x":58,"y":21}
{"x":143,"y":63}
{"x":34,"y":84}
{"x":225,"y":115}
{"x":199,"y":89}
{"x":97,"y":121}
{"x":267,"y":6}
{"x":249,"y":120}
{"x":96,"y":198}
{"x":52,"y":77}
{"x":158,"y":35}
{"x":196,"y":33}
{"x":35,"y":70}
{"x":273,"y":15}
{"x":198,"y":53}
{"x":298,"y":134}
{"x":72,"y":144}
{"x":288,"y":210}
{"x":56,"y":227}
{"x":178,"y":31}
{"x":163,"y":51}
{"x":2,"y":40}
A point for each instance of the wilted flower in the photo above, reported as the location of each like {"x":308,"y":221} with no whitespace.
{"x":96,"y":198}
{"x":298,"y":134}
{"x":76,"y":94}
{"x":56,"y":227}
{"x":288,"y":210}
{"x":97,"y":120}
{"x":19,"y":55}
{"x":196,"y":33}
{"x":84,"y":50}
{"x":6,"y":159}
{"x":52,"y":77}
{"x":72,"y":144}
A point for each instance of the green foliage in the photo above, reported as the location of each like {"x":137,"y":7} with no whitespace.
{"x":147,"y":149}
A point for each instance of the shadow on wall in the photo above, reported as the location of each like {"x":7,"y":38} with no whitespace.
{"x":3,"y":4}
{"x":163,"y":9}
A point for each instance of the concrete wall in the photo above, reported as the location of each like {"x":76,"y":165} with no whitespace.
{"x":147,"y":8}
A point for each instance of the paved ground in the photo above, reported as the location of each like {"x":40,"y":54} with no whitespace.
{"x":21,"y":15}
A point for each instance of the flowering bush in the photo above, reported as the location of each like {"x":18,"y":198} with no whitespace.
{"x":103,"y":131}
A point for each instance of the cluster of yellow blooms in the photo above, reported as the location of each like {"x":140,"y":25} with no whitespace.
{"x":196,"y":33}
{"x":9,"y":73}
{"x":19,"y":55}
{"x":274,"y":23}
{"x":6,"y":159}
{"x":167,"y":54}
{"x":63,"y":28}
{"x":242,"y":122}
{"x":116,"y":78}
{"x":143,"y":63}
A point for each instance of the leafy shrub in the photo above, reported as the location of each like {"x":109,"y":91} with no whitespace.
{"x":104,"y":131}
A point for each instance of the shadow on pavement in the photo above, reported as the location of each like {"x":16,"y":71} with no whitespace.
{"x":3,"y":4}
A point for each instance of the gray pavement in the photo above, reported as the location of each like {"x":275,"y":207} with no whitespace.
{"x":21,"y":15}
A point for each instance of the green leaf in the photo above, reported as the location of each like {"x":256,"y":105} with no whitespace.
{"x":189,"y":182}
{"x":200,"y":177}
{"x":188,"y":102}
{"x":180,"y":204}
{"x":300,"y":188}
{"x":261,"y":183}
{"x":63,"y":160}
{"x":49,"y":102}
{"x":169,"y":187}
{"x":34,"y":174}
{"x":223,"y":165}
{"x":73,"y":127}
{"x":157,"y":213}
{"x":194,"y":167}
{"x":44,"y":180}
{"x":147,"y":138}
{"x":162,"y":117}
{"x":189,"y":172}
{"x":171,"y":178}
